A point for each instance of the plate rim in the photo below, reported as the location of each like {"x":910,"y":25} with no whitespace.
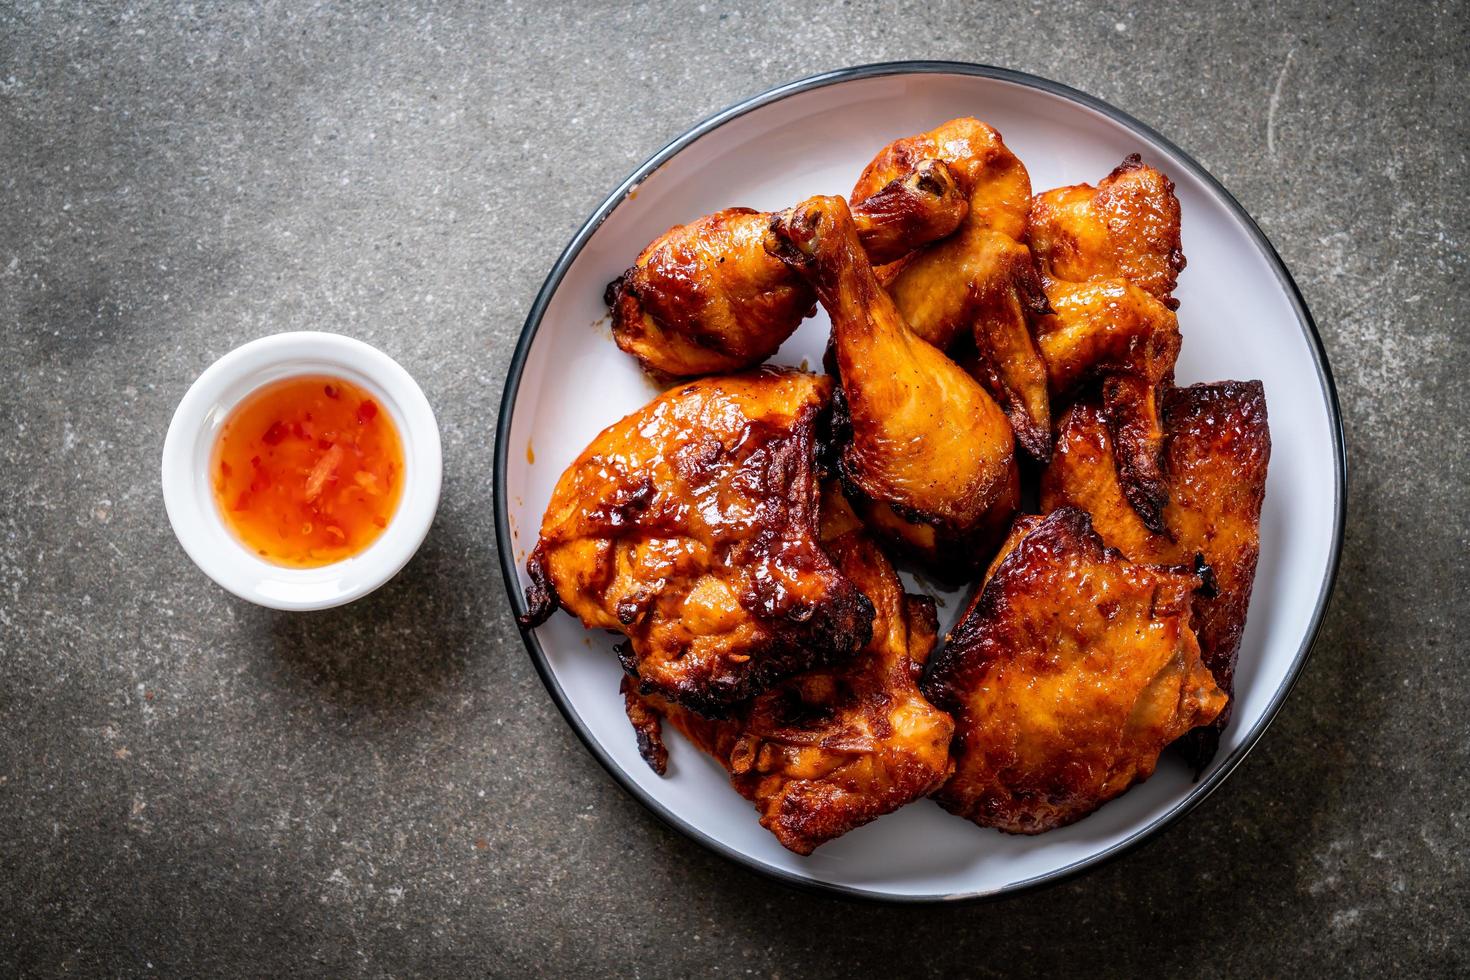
{"x":510,"y":573}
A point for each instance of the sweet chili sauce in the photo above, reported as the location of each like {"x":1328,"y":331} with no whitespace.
{"x":307,"y":471}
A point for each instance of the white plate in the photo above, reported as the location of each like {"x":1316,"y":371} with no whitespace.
{"x":1241,"y":317}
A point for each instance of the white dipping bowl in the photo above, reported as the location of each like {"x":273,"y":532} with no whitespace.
{"x":189,"y":497}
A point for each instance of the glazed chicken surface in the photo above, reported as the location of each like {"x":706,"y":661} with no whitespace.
{"x":1109,"y":258}
{"x":706,"y":298}
{"x":834,"y":748}
{"x":691,"y":527}
{"x":1217,"y":449}
{"x":925,"y":448}
{"x":1067,"y":676}
{"x":1127,"y":227}
{"x":978,"y":287}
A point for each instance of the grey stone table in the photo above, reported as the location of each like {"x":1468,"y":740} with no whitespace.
{"x":190,"y":785}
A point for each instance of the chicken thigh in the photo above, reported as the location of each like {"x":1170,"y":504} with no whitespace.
{"x":833,"y":748}
{"x":1217,"y":448}
{"x":1067,"y":676}
{"x":691,"y":527}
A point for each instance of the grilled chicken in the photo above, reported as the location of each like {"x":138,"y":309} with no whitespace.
{"x":1127,"y":227}
{"x":978,"y":287}
{"x":691,"y":527}
{"x":833,"y":748}
{"x":1067,"y":676}
{"x":927,"y":451}
{"x":1109,"y":258}
{"x":1217,"y":447}
{"x":705,"y":298}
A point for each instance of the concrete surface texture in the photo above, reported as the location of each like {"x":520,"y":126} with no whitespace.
{"x":190,"y":785}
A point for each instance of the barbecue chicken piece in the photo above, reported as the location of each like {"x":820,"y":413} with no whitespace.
{"x":979,"y":285}
{"x":833,"y":748}
{"x":925,"y":448}
{"x":1127,"y":227}
{"x":1109,"y":258}
{"x":1114,"y":333}
{"x":1216,"y":450}
{"x":705,"y":298}
{"x":691,"y":527}
{"x":1070,"y":672}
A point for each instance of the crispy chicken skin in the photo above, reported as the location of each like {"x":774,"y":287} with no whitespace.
{"x":1109,"y":258}
{"x":833,"y":748}
{"x":979,"y":285}
{"x":691,"y":527}
{"x":705,"y":298}
{"x":1070,"y":672}
{"x":1217,"y":448}
{"x":923,"y":442}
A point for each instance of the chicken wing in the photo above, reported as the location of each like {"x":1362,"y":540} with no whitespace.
{"x":923,"y":442}
{"x":980,"y":283}
{"x":831,"y":749}
{"x":705,"y":298}
{"x":1109,"y":258}
{"x":1070,"y":672}
{"x":1217,"y":448}
{"x":691,"y":527}
{"x":1127,"y":227}
{"x":1117,"y":334}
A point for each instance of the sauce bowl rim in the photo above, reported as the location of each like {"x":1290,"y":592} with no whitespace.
{"x":189,"y":445}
